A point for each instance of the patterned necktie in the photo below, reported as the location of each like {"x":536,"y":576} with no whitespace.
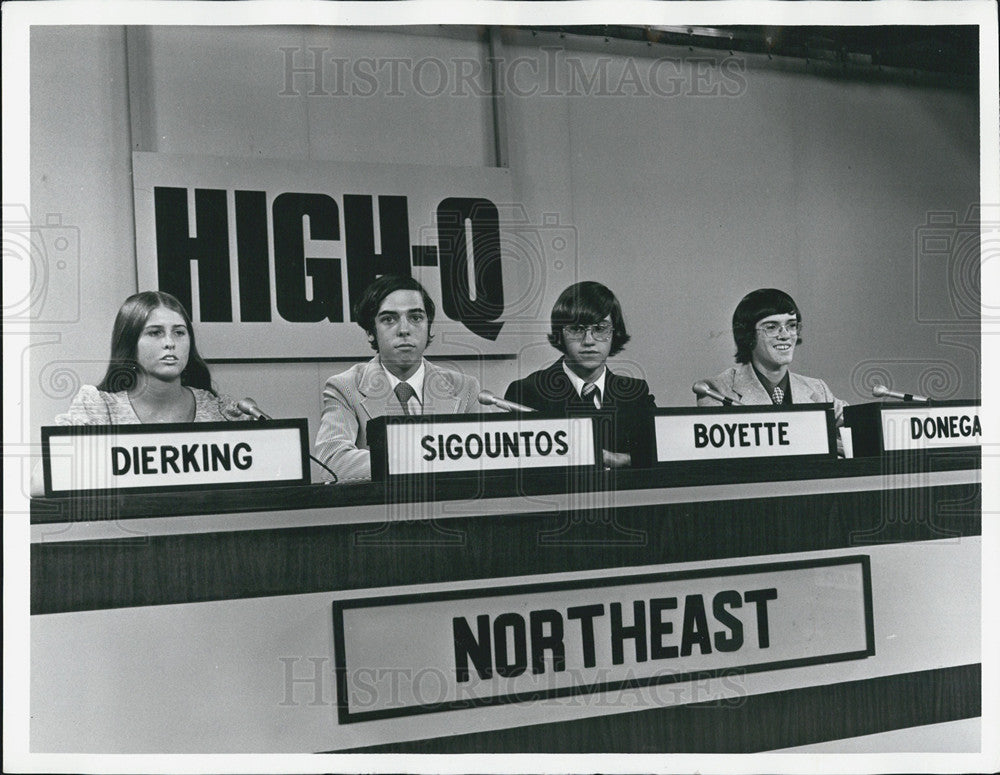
{"x":404,"y":392}
{"x":777,"y":395}
{"x":592,"y":394}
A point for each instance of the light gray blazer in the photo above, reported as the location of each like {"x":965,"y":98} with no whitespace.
{"x":741,"y":383}
{"x":355,"y":396}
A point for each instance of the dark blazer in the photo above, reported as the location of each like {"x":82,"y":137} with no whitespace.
{"x":627,"y":400}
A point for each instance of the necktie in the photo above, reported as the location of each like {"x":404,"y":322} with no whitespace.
{"x":592,"y":394}
{"x":777,"y":395}
{"x":404,"y":392}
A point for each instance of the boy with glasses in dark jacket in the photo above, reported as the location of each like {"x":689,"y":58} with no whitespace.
{"x":588,"y":328}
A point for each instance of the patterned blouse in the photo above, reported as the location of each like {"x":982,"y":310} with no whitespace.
{"x":95,"y":407}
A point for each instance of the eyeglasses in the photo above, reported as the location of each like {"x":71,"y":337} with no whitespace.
{"x":772,"y":329}
{"x":600,"y":331}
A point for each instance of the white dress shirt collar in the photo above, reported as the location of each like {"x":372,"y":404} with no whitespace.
{"x":578,"y":383}
{"x":416,"y":381}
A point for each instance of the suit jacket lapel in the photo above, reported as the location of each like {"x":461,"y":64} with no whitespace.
{"x":611,"y":387}
{"x":802,"y":391}
{"x":564,"y":394}
{"x":440,"y":392}
{"x":747,"y":387}
{"x":374,"y":389}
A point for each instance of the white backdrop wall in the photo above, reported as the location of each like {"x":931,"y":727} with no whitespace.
{"x":801,"y":179}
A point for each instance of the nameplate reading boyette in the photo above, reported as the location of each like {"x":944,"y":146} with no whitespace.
{"x":169,"y":456}
{"x":746,"y":432}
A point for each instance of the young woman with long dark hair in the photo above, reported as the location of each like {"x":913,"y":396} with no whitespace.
{"x":154,"y":374}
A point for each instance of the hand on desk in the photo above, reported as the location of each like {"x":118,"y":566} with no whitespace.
{"x":616,"y":459}
{"x":37,"y":487}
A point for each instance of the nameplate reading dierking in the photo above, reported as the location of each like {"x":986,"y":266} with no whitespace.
{"x":743,"y":432}
{"x":175,"y":455}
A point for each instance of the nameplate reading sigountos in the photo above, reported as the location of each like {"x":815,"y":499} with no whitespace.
{"x":449,"y":444}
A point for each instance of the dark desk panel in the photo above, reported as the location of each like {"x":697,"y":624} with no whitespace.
{"x":196,"y":567}
{"x":490,"y":485}
{"x":149,"y":606}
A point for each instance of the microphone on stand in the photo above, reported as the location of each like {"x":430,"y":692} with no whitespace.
{"x":703,"y":390}
{"x":486,"y":398}
{"x":249,"y":407}
{"x":881,"y":391}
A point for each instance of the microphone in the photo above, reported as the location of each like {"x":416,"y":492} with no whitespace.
{"x":703,"y":390}
{"x":881,"y":391}
{"x":249,"y":406}
{"x":486,"y":398}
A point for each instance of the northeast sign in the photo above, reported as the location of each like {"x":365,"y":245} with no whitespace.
{"x":270,"y":256}
{"x":491,"y":644}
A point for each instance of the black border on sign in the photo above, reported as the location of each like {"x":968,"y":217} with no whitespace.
{"x":865,"y":422}
{"x":54,"y":431}
{"x":376,"y":434}
{"x":345,"y":716}
{"x":831,"y":432}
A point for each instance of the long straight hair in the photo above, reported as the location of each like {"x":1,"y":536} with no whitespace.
{"x":123,"y":367}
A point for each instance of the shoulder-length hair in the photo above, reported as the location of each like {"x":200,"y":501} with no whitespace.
{"x":123,"y":366}
{"x":585,"y":304}
{"x":755,"y":306}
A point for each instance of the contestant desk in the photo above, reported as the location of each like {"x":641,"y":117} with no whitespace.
{"x":203,"y":621}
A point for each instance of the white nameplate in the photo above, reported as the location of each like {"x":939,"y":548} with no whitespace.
{"x":699,"y":435}
{"x":452,"y":650}
{"x":189,"y":455}
{"x":930,"y":427}
{"x":434,"y":445}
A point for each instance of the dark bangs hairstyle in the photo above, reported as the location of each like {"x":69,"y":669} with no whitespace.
{"x":753,"y":307}
{"x":129,"y":323}
{"x":368,"y":305}
{"x":585,"y":304}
